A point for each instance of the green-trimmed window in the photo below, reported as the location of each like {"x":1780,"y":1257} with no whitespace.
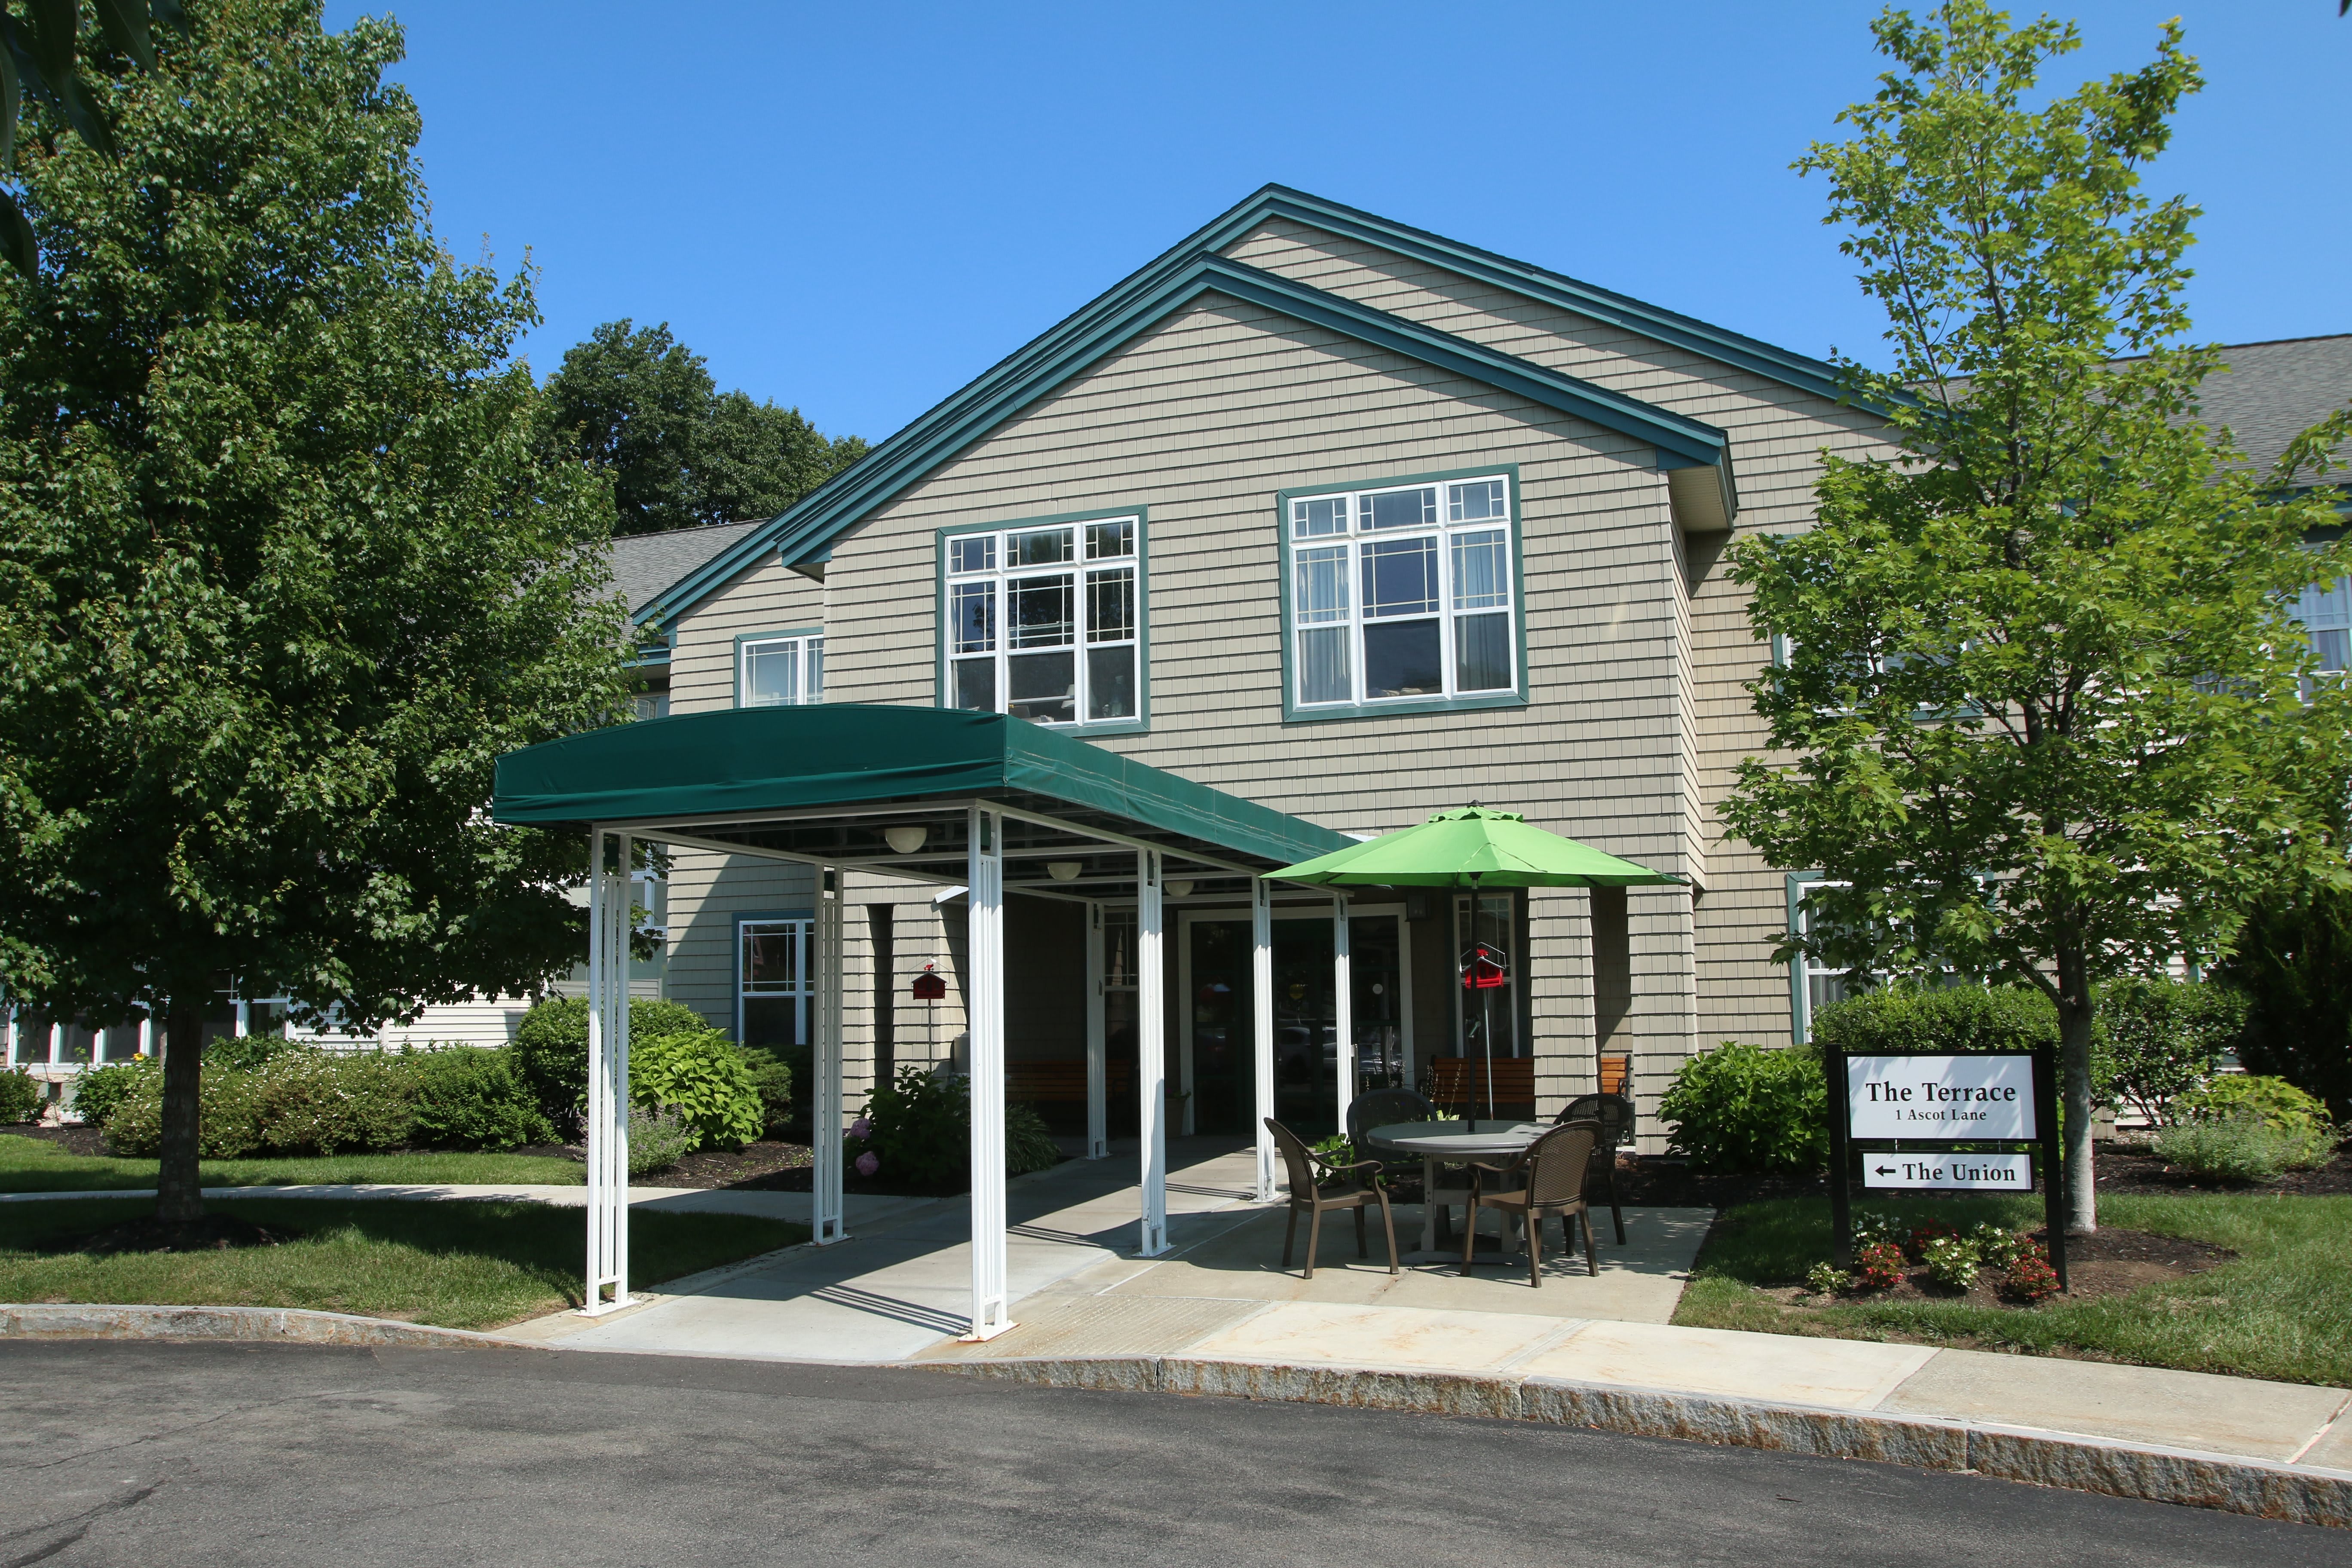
{"x":1401,"y":594}
{"x":1043,"y":620}
{"x":2326,"y":611}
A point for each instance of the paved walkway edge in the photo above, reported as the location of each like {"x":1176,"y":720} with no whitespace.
{"x":2299,"y":1494}
{"x":281,"y":1324}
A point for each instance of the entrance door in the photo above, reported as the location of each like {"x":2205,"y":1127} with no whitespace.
{"x":1219,"y":1019}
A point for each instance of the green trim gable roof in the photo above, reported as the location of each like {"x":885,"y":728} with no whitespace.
{"x":804,"y":533}
{"x":1818,"y":377}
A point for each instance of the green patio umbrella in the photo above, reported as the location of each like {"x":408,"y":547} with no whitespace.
{"x":1473,"y":847}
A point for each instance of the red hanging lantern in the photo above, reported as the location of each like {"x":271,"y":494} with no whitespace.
{"x":1483,"y":968}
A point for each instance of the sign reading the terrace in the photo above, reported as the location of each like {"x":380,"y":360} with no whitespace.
{"x":1952,"y":1098}
{"x":1951,"y":1173}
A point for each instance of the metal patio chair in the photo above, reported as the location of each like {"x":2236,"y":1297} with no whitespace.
{"x":1549,"y":1180}
{"x":1318,"y":1186}
{"x":1615,"y":1114}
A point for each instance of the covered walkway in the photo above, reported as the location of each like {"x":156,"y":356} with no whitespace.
{"x":981,"y":802}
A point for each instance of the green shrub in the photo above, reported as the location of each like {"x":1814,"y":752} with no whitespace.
{"x":473,"y":1099}
{"x":919,"y":1129}
{"x":551,"y":1047}
{"x":2159,"y":1039}
{"x":239,"y":1052}
{"x":658,"y":1139}
{"x":699,"y":1074}
{"x":1028,"y":1143}
{"x":2293,"y":961}
{"x":20,"y":1097}
{"x":2272,"y":1101}
{"x":2238,"y":1149}
{"x":100,"y":1090}
{"x":773,"y":1075}
{"x":1743,"y":1108}
{"x":1954,"y":1018}
{"x":297,"y":1101}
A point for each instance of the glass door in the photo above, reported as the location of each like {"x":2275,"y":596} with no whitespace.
{"x":1219,"y":1014}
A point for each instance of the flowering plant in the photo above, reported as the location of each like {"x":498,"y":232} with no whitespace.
{"x":1951,"y":1261}
{"x":1879,"y":1266}
{"x":2031,"y":1276}
{"x":1928,"y":1230}
{"x":1827,"y":1279}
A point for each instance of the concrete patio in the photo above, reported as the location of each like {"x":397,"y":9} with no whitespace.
{"x":901,"y":1287}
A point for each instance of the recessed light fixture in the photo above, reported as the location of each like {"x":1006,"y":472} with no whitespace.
{"x":1179,"y":890}
{"x":1065,"y":870}
{"x":906,"y":841}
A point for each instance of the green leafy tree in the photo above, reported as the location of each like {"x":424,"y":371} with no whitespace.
{"x":2041,"y":713}
{"x":48,"y":55}
{"x":2294,"y":963}
{"x":284,"y":565}
{"x":640,"y":406}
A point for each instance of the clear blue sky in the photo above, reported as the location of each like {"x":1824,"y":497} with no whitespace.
{"x":857,"y":208}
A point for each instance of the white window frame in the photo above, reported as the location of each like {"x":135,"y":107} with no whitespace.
{"x":806,"y":647}
{"x":1340,"y":528}
{"x":980,"y":565}
{"x":2325,"y":612}
{"x":801,"y":988}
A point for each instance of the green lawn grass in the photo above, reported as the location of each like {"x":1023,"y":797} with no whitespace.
{"x":458,"y":1264}
{"x":34,"y":1165}
{"x":2283,"y":1309}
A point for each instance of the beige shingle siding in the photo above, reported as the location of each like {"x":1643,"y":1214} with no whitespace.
{"x":1635,"y":655}
{"x":764,"y":597}
{"x":1778,"y":433}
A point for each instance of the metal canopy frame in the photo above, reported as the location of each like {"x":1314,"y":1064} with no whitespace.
{"x":1054,"y":818}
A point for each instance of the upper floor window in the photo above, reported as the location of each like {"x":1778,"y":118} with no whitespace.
{"x":1403,"y":594}
{"x":780,"y":668}
{"x":2326,"y":612}
{"x":1044,"y":621}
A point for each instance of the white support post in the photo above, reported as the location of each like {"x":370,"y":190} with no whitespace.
{"x":608,"y":1072}
{"x":1098,"y":1041}
{"x":984,"y":955}
{"x":824,"y":1095}
{"x":1151,"y":1053}
{"x":146,"y":1034}
{"x":57,"y":1045}
{"x":1343,"y":1018}
{"x":1262,"y":1028}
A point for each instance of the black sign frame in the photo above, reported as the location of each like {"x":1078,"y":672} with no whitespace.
{"x":2050,"y":1169}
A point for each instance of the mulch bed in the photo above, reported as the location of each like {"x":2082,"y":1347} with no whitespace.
{"x":768,"y":1166}
{"x":72,"y":1140}
{"x":2106,"y":1263}
{"x":2125,"y":1168}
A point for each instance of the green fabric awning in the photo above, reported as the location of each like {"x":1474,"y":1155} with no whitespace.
{"x":737,"y":764}
{"x":1473,"y":846}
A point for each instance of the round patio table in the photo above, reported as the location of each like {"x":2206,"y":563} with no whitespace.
{"x":1440,"y":1142}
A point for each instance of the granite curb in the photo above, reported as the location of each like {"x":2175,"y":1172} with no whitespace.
{"x":2299,"y":1494}
{"x":288,"y":1325}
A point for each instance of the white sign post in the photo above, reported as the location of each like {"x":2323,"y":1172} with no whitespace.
{"x":1941,"y":1099}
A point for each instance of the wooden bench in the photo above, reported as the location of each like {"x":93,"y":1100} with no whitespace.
{"x":1460,"y":1082}
{"x":1062,"y":1082}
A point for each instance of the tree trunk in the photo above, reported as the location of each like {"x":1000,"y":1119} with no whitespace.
{"x":179,"y":1194}
{"x":2076,"y":1018}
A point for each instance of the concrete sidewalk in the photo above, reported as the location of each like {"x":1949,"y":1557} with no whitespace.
{"x":859,"y":1209}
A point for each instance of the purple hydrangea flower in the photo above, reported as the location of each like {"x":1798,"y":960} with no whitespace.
{"x":868,"y":1163}
{"x":862,"y":1128}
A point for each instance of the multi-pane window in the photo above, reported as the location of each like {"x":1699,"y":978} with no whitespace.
{"x":2326,"y":612}
{"x":774,"y":672}
{"x":1403,"y":594}
{"x":1042,"y":622}
{"x":774,"y":993}
{"x":1818,"y":985}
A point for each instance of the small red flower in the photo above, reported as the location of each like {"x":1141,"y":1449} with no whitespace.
{"x":1879,"y":1266}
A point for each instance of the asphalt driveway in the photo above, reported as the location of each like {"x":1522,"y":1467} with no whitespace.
{"x":160,"y":1455}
